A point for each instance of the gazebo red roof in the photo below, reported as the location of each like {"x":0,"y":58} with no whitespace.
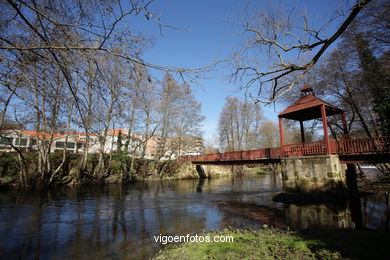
{"x":308,"y":107}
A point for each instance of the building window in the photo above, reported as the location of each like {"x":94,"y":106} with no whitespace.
{"x":68,"y":145}
{"x":5,"y":140}
{"x":21,"y":141}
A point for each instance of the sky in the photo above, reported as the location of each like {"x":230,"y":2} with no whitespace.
{"x":214,"y":34}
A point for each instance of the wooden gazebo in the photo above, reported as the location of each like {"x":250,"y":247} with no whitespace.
{"x":309,"y":107}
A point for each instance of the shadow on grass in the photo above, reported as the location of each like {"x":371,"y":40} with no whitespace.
{"x":352,"y":244}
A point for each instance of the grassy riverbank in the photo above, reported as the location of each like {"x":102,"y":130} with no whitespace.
{"x":281,"y":244}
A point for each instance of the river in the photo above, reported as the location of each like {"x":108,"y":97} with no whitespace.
{"x":120,"y":222}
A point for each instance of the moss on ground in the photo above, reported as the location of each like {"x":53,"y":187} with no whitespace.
{"x":280,"y":244}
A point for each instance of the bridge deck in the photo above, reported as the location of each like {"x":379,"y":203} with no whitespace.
{"x":364,"y":150}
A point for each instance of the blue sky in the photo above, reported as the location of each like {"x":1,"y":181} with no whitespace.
{"x":214,"y":35}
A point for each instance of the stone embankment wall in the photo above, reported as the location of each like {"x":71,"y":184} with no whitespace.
{"x":215,"y":170}
{"x":188,"y":170}
{"x":322,"y":173}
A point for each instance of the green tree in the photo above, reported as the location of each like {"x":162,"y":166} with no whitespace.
{"x":374,"y":78}
{"x":119,"y":146}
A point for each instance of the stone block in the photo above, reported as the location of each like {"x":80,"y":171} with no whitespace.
{"x":313,"y":173}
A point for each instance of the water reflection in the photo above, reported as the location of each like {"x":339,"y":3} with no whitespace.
{"x":120,"y":221}
{"x":376,"y":211}
{"x":316,"y":216}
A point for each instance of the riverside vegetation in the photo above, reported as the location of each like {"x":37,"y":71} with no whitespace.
{"x":119,"y":168}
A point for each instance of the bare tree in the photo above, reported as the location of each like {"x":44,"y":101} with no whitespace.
{"x":282,"y":37}
{"x":40,"y":94}
{"x":74,"y":65}
{"x":149,"y":105}
{"x":179,"y":116}
{"x":239,"y":125}
{"x":86,"y":96}
{"x":109,"y":92}
{"x":270,"y":134}
{"x":353,"y":87}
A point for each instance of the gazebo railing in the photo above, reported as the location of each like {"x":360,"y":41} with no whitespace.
{"x":304,"y":149}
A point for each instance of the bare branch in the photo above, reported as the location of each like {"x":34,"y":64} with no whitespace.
{"x":276,"y":48}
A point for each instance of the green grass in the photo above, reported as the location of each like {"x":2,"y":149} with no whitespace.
{"x":279,"y":244}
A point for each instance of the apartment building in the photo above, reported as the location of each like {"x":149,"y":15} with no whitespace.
{"x":157,"y":146}
{"x":25,"y":140}
{"x":115,"y":139}
{"x":21,"y":139}
{"x":173,"y":147}
{"x":190,"y":145}
{"x":118,"y":138}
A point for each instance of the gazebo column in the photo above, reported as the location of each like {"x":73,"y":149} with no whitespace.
{"x":302,"y":132}
{"x":281,"y":136}
{"x":325,"y":126}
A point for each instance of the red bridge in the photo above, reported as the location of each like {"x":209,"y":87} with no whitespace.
{"x":364,"y":150}
{"x":309,"y":107}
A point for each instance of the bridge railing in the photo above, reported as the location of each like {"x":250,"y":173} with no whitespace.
{"x":348,"y":146}
{"x":362,"y":145}
{"x":379,"y":144}
{"x":247,"y":155}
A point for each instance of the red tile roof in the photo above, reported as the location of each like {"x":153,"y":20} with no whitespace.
{"x":116,"y":131}
{"x":72,"y":135}
{"x":308,"y":107}
{"x":33,"y":134}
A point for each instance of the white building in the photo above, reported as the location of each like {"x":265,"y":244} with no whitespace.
{"x":76,"y":142}
{"x":25,"y":140}
{"x":21,"y":139}
{"x":70,"y":143}
{"x":173,"y":147}
{"x":112,"y":141}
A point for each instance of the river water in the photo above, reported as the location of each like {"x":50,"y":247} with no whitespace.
{"x":120,"y":222}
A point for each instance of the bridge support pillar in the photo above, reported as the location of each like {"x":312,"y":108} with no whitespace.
{"x":210,"y":171}
{"x":201,"y":172}
{"x":320,"y":173}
